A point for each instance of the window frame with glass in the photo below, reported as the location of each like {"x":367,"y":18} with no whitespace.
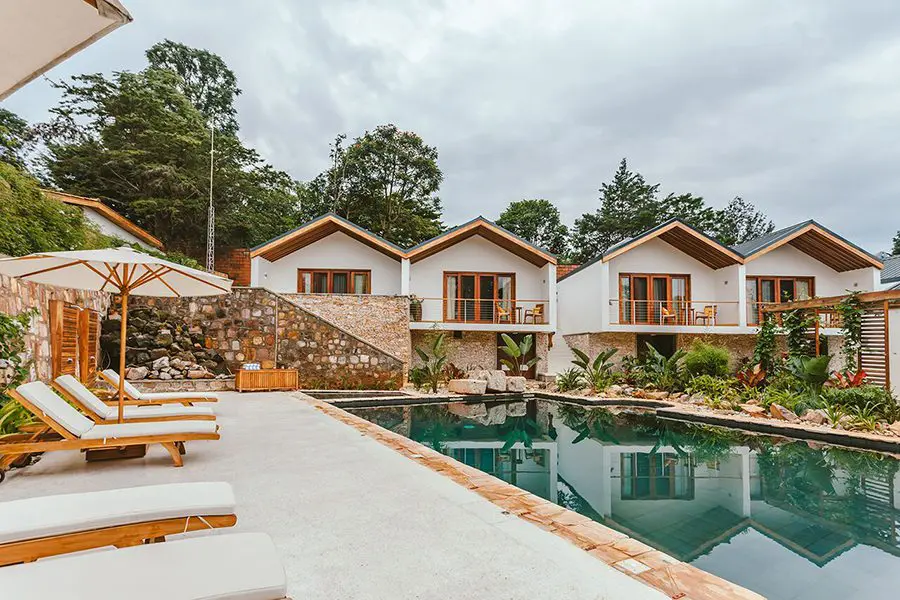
{"x":498,"y":307}
{"x":761,"y":290}
{"x":326,"y":281}
{"x":650,"y":312}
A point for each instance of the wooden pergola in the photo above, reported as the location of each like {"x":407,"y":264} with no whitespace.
{"x":875,"y":351}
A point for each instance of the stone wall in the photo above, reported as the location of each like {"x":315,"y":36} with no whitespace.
{"x":383,"y":321}
{"x":256,"y":325}
{"x":593,"y":343}
{"x":475,"y":350}
{"x":17,"y":296}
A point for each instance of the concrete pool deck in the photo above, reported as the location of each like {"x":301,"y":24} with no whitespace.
{"x":351,"y":517}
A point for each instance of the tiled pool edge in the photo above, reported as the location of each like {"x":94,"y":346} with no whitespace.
{"x":676,"y":579}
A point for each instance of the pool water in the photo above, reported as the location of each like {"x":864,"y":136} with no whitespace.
{"x":790,"y":520}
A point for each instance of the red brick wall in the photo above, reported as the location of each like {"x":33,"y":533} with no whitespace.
{"x":236,"y":264}
{"x":563,"y":270}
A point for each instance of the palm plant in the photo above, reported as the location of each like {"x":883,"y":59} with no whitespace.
{"x":568,"y":380}
{"x":516,"y":353}
{"x":597,"y":372}
{"x":812,"y":371}
{"x":664,"y":373}
{"x":432,"y":369}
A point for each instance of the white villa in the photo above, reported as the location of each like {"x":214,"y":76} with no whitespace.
{"x":665,"y":287}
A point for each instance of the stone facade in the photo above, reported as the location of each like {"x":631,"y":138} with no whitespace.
{"x":475,"y":350}
{"x":235,"y":263}
{"x":593,"y":343}
{"x":256,"y":325}
{"x":18,"y":296}
{"x":383,"y":321}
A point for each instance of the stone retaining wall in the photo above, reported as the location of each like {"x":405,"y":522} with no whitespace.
{"x":185,"y":385}
{"x":256,"y":325}
{"x":383,"y":321}
{"x":475,"y":349}
{"x":18,"y":296}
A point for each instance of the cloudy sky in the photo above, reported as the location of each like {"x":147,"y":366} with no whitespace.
{"x":793,"y":105}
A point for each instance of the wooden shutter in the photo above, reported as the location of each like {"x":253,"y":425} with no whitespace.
{"x":63,"y":338}
{"x":88,"y":344}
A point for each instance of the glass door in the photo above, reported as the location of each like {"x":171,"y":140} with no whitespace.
{"x":505,"y":306}
{"x":680,"y":300}
{"x":660,"y":299}
{"x":451,"y":306}
{"x":486,"y":298}
{"x":640,"y":290}
{"x":752,"y":302}
{"x":626,"y":309}
{"x":467,"y":297}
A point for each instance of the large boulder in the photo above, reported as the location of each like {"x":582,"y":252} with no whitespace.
{"x":780,"y":412}
{"x":160,"y":363}
{"x":467,"y":386}
{"x":753,"y":410}
{"x":136,"y":373}
{"x":515,"y":384}
{"x":815,"y":416}
{"x":496,"y":379}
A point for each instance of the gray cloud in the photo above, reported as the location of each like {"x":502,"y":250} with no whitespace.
{"x":791,"y":105}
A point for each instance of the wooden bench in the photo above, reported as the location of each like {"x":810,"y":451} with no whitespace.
{"x":259,"y":380}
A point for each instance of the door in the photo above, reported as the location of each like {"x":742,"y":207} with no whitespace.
{"x":660,"y":298}
{"x":640,"y":292}
{"x":531,"y":373}
{"x":467,"y":298}
{"x":486,"y":298}
{"x":767,"y":295}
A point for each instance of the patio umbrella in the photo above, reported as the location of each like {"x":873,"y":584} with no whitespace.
{"x":37,"y":35}
{"x":122,"y":271}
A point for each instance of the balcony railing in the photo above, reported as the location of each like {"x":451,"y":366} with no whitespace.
{"x":468,"y":310}
{"x":693,"y":313}
{"x":826,"y":318}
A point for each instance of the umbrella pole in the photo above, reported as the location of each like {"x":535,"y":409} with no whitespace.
{"x":122,"y":349}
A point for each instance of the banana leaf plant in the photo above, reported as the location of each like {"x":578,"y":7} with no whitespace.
{"x":597,"y":371}
{"x":433,"y":363}
{"x":516,"y":353}
{"x":518,"y":429}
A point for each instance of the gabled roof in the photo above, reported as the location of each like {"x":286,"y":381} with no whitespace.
{"x":98,"y":206}
{"x":319,"y":228}
{"x":815,"y":240}
{"x":891,"y":271}
{"x":488,"y":230}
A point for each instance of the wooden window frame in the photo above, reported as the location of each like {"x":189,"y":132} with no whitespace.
{"x":653,"y":477}
{"x":477,"y":300}
{"x":351,"y":284}
{"x":650,"y":276}
{"x":778,"y":279}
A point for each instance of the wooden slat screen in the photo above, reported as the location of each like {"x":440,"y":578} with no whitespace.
{"x":89,"y":345}
{"x":74,"y":340}
{"x":873,"y":357}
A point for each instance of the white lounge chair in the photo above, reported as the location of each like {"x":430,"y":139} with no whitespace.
{"x":235,"y":566}
{"x":80,"y":433}
{"x":75,"y":392}
{"x":135,"y":396}
{"x":34,"y":528}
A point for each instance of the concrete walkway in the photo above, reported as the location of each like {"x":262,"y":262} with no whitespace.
{"x":352,"y":518}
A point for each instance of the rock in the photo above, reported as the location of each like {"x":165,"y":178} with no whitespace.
{"x":496,"y":380}
{"x":163,"y":338}
{"x":753,"y":410}
{"x":659,"y":395}
{"x":198,"y":374}
{"x":160,"y":363}
{"x":165,"y":376}
{"x":815,"y":416}
{"x":157,"y":353}
{"x":467,"y":411}
{"x":136,"y":373}
{"x":698,"y":399}
{"x":516,"y":409}
{"x":894,"y":428}
{"x":780,"y":412}
{"x":177,"y":363}
{"x":496,"y":415}
{"x":615,"y":389}
{"x":515,"y":384}
{"x":467,"y":386}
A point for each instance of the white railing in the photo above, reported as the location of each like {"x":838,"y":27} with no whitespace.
{"x":469,"y":310}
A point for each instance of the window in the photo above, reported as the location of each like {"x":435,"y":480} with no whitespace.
{"x":479,"y":297}
{"x":656,"y":476}
{"x":332,"y":281}
{"x":762,"y":290}
{"x":657,"y":299}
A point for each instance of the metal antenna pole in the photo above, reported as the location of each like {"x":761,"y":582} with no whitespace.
{"x":211,"y":218}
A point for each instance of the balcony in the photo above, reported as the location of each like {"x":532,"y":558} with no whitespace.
{"x":827,"y":319}
{"x":674,"y":313}
{"x":484,"y":315}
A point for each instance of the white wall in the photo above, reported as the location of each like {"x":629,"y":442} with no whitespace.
{"x":788,"y":261}
{"x":479,"y":255}
{"x":580,"y":308}
{"x":109,"y":228}
{"x":337,"y":251}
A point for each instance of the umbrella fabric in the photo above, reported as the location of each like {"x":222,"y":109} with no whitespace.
{"x":40,"y":34}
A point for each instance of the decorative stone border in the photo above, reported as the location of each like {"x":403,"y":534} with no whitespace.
{"x":680,"y":581}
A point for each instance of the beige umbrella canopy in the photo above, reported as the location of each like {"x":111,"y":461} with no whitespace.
{"x":122,"y":271}
{"x":37,"y":35}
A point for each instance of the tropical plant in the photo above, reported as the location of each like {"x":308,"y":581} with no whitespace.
{"x":812,"y":371}
{"x":664,"y":373}
{"x":847,"y":379}
{"x":719,"y":392}
{"x":13,"y":330}
{"x":597,"y":372}
{"x":518,"y":429}
{"x":570,"y":379}
{"x":434,"y":359}
{"x":418,"y":377}
{"x":835,"y":412}
{"x":866,"y":417}
{"x":764,"y":353}
{"x":589,"y":423}
{"x":706,"y":359}
{"x":516,"y":353}
{"x":451,"y":371}
{"x":752,"y":376}
{"x":796,"y":324}
{"x":851,"y":312}
{"x":878,"y":400}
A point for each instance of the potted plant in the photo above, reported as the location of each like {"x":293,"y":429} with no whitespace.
{"x":415,"y":308}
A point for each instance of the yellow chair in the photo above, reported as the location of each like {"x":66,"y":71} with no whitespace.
{"x":536,"y":315}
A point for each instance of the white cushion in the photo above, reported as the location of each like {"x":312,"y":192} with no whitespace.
{"x":70,"y":513}
{"x":130,"y":390}
{"x":193,"y":396}
{"x":168,"y":410}
{"x":85,"y":397}
{"x":236,"y":566}
{"x":51,"y":405}
{"x":118,"y":431}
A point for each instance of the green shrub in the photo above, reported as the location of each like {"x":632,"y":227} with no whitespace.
{"x":597,"y":372}
{"x":706,"y":359}
{"x":570,"y":379}
{"x":865,"y":399}
{"x":719,"y":392}
{"x":434,"y":359}
{"x":13,"y":350}
{"x":664,"y":373}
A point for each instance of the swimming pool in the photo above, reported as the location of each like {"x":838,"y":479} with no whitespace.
{"x":791,"y":520}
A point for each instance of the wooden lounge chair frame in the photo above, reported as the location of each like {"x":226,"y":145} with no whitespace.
{"x":132,"y":401}
{"x":120,"y":536}
{"x":97,"y":419}
{"x":11,"y":449}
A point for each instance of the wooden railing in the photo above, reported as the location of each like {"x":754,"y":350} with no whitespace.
{"x":694,"y":313}
{"x":470,"y":310}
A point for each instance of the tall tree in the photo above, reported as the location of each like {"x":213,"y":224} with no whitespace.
{"x":16,"y":139}
{"x":895,"y":251}
{"x":386,"y":181}
{"x":538,"y":222}
{"x":206,"y":80}
{"x":739,"y":222}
